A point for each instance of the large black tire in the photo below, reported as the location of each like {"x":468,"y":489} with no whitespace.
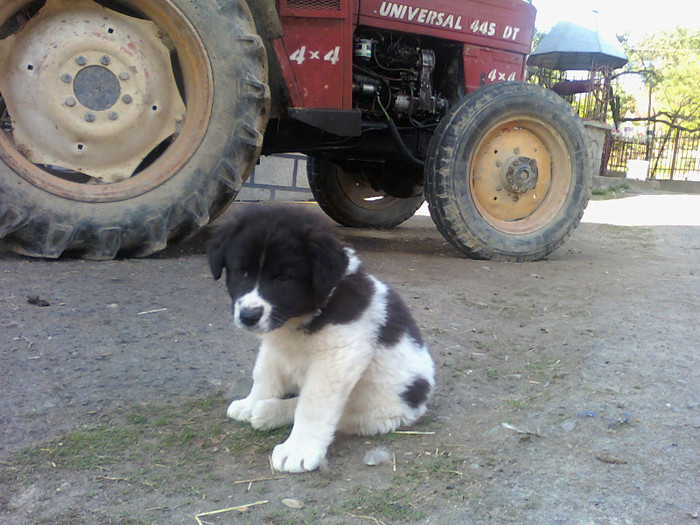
{"x":508,"y":175}
{"x":217,"y":64}
{"x":348,"y":198}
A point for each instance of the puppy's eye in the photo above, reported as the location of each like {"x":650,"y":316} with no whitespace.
{"x":282,"y":278}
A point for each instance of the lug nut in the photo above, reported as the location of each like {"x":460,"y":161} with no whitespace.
{"x":104,"y":60}
{"x":66,"y":78}
{"x":123,"y":75}
{"x":127,"y":99}
{"x":81,"y":61}
{"x":89,"y":117}
{"x":70,"y":102}
{"x":113,"y":115}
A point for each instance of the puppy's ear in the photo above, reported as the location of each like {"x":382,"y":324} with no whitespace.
{"x":215,"y":254}
{"x":328,"y":262}
{"x":216,"y":249}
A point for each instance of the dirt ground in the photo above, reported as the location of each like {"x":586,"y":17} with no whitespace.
{"x":568,"y":391}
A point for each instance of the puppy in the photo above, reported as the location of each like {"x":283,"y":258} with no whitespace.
{"x":339,"y":349}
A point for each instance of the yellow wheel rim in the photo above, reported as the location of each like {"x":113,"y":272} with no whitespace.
{"x":110,"y":111}
{"x":520,"y":175}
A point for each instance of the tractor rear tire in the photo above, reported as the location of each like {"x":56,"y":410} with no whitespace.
{"x":349,"y":199}
{"x":89,"y":188}
{"x":508,"y":175}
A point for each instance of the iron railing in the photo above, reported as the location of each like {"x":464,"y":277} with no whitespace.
{"x":672,"y":153}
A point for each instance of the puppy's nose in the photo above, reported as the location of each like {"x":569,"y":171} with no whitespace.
{"x":250,"y":316}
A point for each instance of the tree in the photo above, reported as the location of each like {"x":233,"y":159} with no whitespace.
{"x":670,"y":63}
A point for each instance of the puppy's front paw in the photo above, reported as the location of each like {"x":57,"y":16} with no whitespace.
{"x":240,"y":410}
{"x":295,"y":457}
{"x":273,"y":413}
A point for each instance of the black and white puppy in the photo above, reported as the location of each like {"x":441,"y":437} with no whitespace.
{"x":341,"y":343}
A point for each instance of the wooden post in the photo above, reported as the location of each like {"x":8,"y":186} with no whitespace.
{"x":675,"y":153}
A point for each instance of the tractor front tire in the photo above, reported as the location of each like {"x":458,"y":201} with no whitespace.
{"x":137,"y":126}
{"x":508,"y":175}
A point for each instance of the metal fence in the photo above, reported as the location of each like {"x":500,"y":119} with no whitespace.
{"x":672,"y":154}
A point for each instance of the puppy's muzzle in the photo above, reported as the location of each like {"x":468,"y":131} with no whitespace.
{"x":250,"y":316}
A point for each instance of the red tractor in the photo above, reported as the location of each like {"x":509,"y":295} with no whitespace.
{"x":129,"y":124}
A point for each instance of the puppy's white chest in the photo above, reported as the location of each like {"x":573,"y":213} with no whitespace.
{"x":292,"y":350}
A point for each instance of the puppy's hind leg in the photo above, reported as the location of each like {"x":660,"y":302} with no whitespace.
{"x":378,"y":406}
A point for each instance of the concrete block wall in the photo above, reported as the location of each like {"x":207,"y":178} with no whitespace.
{"x":278,"y":178}
{"x":283,"y":178}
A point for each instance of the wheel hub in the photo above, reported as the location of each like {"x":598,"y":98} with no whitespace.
{"x":519,"y":175}
{"x":96,"y":88}
{"x":89,"y":89}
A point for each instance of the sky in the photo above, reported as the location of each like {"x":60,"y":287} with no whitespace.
{"x":619,"y":16}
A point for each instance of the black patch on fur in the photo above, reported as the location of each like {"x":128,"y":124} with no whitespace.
{"x":416,"y":393}
{"x":398,"y":321}
{"x":350,"y":298}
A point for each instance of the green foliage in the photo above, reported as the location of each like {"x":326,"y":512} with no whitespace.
{"x":628,"y":102}
{"x":670,"y":61}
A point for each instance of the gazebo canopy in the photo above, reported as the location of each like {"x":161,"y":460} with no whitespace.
{"x":571,"y":47}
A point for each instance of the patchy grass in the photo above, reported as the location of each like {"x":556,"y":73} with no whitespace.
{"x":87,"y":449}
{"x":287,"y":517}
{"x":150,"y":442}
{"x":427,"y":480}
{"x":388,"y":503}
{"x":515,"y":404}
{"x":610,"y":191}
{"x":173,"y":454}
{"x":544,"y":371}
{"x":74,"y":517}
{"x":438,"y":466}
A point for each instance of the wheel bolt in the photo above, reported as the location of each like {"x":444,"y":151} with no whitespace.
{"x":113,"y":115}
{"x":127,"y":99}
{"x":66,"y":78}
{"x":81,"y":61}
{"x":123,"y":75}
{"x":89,"y":117}
{"x":70,"y":102}
{"x":104,"y":60}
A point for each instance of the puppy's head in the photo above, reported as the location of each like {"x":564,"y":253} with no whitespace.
{"x":281,"y":262}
